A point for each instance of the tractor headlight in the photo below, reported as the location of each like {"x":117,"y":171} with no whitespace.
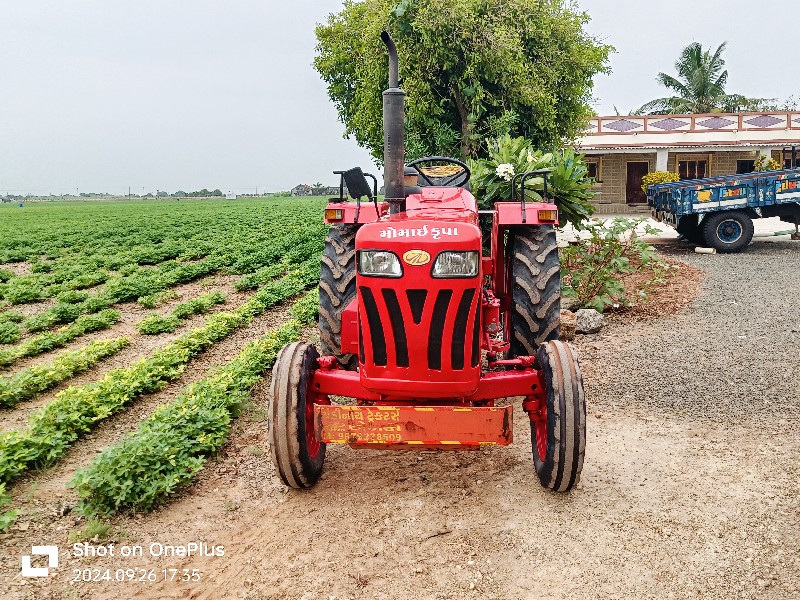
{"x":456,"y":264}
{"x":379,"y":263}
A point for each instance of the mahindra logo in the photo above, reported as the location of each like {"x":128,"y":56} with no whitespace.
{"x":416,"y":257}
{"x":51,"y":552}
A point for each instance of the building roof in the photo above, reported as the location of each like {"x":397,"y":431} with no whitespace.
{"x":719,"y":130}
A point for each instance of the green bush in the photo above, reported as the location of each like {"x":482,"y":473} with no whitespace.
{"x":9,"y":332}
{"x":34,"y":380}
{"x":569,"y":185}
{"x":170,"y":447}
{"x":5,"y":275}
{"x":155,"y":324}
{"x":73,"y":296}
{"x":7,"y":517}
{"x":11,"y":317}
{"x":657,"y":177}
{"x":593,"y":270}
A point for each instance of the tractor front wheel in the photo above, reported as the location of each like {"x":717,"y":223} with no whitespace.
{"x":558,"y":429}
{"x":296,"y":452}
{"x":535,"y":289}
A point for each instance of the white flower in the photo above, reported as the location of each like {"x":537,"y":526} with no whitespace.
{"x":505,"y":171}
{"x":530,"y":156}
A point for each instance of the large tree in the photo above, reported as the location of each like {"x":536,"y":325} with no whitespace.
{"x":700,"y":86}
{"x":471,"y":70}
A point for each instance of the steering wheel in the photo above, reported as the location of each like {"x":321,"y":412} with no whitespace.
{"x":455,"y":180}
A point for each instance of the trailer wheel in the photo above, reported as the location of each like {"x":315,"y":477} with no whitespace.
{"x":728,"y":231}
{"x":690,"y":229}
{"x":535,"y":289}
{"x":337,"y":288}
{"x":297,"y":454}
{"x":558,"y":431}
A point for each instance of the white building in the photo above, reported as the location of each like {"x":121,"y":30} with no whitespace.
{"x":620,"y":150}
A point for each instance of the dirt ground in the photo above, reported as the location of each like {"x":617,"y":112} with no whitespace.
{"x":689,"y":488}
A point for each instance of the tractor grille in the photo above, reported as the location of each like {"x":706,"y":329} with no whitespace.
{"x":389,"y":343}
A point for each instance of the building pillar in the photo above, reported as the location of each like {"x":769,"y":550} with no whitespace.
{"x":662,"y":160}
{"x":766,"y":153}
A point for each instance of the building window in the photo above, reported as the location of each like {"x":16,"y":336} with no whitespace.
{"x":594,"y":169}
{"x":745,"y":166}
{"x":693,"y":166}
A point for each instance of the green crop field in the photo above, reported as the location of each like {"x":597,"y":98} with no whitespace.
{"x":72,"y":270}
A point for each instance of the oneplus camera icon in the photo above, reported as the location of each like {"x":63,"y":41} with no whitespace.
{"x":51,"y":552}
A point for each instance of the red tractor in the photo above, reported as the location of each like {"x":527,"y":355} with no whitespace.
{"x":424,"y":330}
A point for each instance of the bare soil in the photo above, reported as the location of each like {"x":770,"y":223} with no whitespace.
{"x":687,"y":491}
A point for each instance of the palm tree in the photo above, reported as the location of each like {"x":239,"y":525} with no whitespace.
{"x":699,"y":86}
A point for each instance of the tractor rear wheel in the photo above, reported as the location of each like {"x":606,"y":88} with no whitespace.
{"x":535,"y":288}
{"x":337,"y":288}
{"x":558,"y":431}
{"x":296,"y":452}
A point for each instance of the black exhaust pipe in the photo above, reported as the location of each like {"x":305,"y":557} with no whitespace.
{"x":393,"y":134}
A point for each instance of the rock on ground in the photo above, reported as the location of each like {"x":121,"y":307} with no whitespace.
{"x":567,"y":326}
{"x":589,"y":320}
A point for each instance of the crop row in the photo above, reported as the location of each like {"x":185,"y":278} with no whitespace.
{"x":51,"y":340}
{"x":76,"y":410}
{"x":25,"y":384}
{"x":155,"y":324}
{"x":170,"y":447}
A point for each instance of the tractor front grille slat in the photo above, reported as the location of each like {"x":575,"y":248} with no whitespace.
{"x":460,"y":330}
{"x":398,"y":326}
{"x":375,"y":327}
{"x":416,"y":300}
{"x":437,"y":329}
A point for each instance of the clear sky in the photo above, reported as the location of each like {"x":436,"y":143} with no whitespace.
{"x":179,"y":94}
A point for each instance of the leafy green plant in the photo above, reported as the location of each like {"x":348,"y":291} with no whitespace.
{"x":593,"y":270}
{"x":569,"y":185}
{"x":56,"y":339}
{"x":5,"y":275}
{"x":93,"y":530}
{"x":155,"y":324}
{"x":657,"y":177}
{"x":169,"y":448}
{"x":26,"y":384}
{"x":507,"y":157}
{"x":7,"y":516}
{"x":9,"y":332}
{"x":73,"y":296}
{"x":76,"y":410}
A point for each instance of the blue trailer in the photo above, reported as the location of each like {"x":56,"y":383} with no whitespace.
{"x":718,"y":212}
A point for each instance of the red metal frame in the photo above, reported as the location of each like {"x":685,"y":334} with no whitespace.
{"x":418,"y":362}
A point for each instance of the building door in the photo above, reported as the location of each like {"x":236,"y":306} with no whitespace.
{"x":633,"y":188}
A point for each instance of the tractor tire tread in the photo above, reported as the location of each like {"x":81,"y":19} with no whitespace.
{"x":560,"y":470}
{"x":535,"y":289}
{"x":337,"y":288}
{"x":287,"y":406}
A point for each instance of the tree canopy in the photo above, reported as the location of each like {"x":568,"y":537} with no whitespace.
{"x":700,"y":86}
{"x":471,"y":70}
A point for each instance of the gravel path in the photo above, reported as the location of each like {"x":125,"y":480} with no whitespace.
{"x":689,"y":489}
{"x":734,"y":353}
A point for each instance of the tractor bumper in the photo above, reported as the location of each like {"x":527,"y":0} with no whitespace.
{"x":413,"y":427}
